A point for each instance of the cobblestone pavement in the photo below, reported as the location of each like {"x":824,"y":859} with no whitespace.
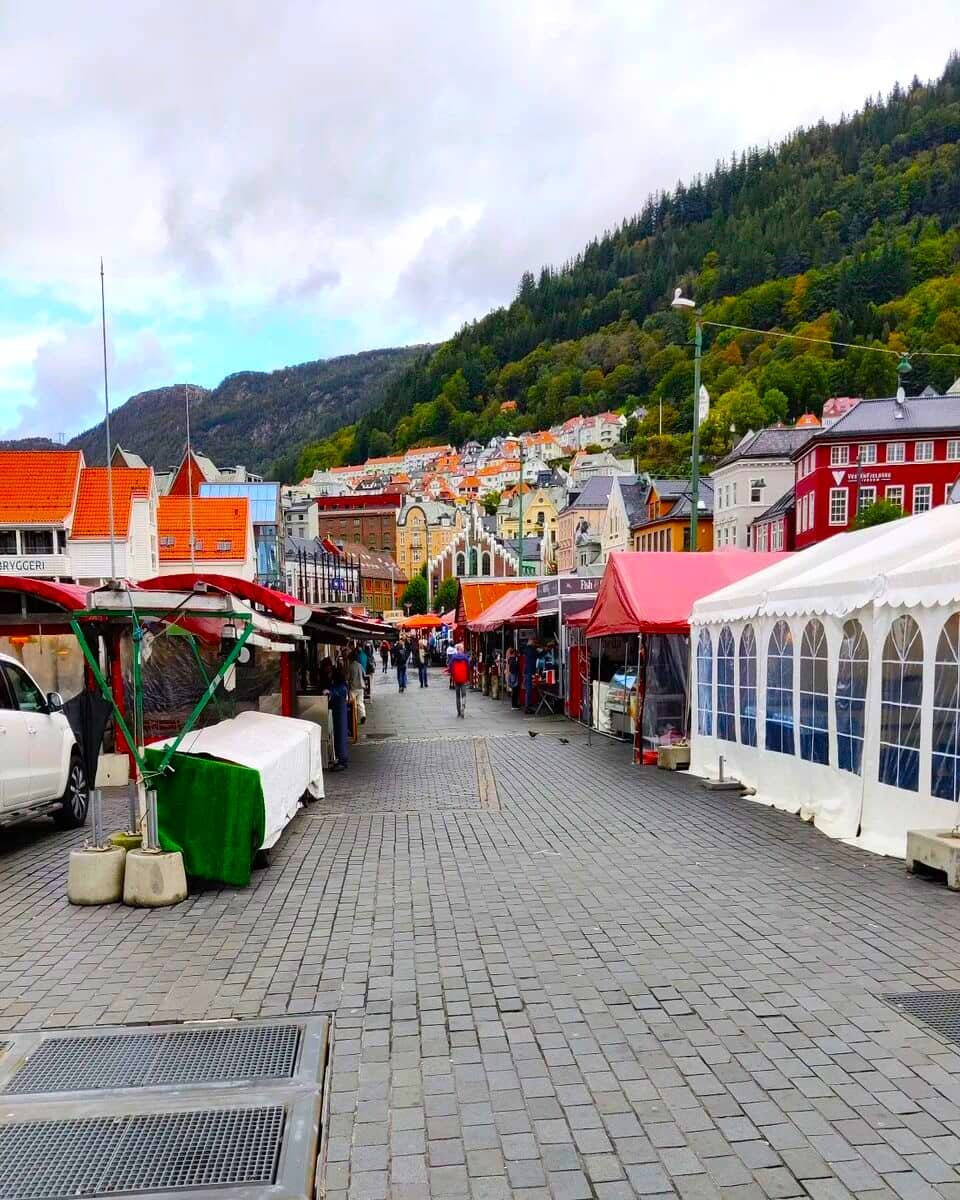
{"x":553,"y":974}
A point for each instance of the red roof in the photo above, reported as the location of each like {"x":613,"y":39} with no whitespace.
{"x":516,"y":607}
{"x":219,"y":528}
{"x":651,"y":592}
{"x":91,"y":518}
{"x":69,"y":596}
{"x":38,"y":487}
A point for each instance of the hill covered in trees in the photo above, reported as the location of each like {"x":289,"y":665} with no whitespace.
{"x":845,"y":232}
{"x":260,"y":419}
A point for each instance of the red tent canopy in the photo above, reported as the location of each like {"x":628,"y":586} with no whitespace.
{"x":69,"y":596}
{"x":650,"y":592}
{"x":518,"y":607}
{"x":277,"y":604}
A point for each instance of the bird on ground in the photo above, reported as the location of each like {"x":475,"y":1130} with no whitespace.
{"x":532,"y":732}
{"x":564,"y":741}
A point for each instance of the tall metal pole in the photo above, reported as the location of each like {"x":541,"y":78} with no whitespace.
{"x":193,"y":558}
{"x":106,"y":421}
{"x":520,"y":530}
{"x":695,"y":445}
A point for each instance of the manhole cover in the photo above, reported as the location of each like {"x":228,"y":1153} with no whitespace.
{"x":131,"y":1155}
{"x":939,"y":1010}
{"x":156,"y":1058}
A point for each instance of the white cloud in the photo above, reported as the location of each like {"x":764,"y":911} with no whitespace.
{"x":393,"y":165}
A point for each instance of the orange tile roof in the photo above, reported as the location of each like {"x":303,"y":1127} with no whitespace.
{"x":385,"y":458}
{"x":91,"y":518}
{"x":216,"y":519}
{"x":38,"y":487}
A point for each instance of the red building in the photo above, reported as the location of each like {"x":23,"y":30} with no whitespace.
{"x":774,"y":529}
{"x":365,"y":519}
{"x":907,"y":451}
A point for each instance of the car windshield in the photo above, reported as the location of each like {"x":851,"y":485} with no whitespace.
{"x":26,"y":695}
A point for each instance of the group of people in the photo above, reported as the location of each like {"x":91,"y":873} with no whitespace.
{"x":351,"y":675}
{"x":407,"y":652}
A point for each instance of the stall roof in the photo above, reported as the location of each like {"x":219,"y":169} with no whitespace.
{"x":71,"y":597}
{"x":516,"y":607}
{"x":277,"y":604}
{"x":909,"y":562}
{"x":651,"y":592}
{"x":477,"y":596}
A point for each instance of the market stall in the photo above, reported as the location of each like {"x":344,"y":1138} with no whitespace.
{"x":473,"y":600}
{"x":829,"y":682}
{"x":496,"y":631}
{"x":638,"y":635}
{"x":563,"y":604}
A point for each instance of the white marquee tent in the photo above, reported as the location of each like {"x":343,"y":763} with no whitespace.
{"x":830,"y":682}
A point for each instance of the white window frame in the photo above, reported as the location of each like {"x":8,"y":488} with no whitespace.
{"x":953,"y":449}
{"x":926,"y":447}
{"x":868,"y":452}
{"x":927,"y":489}
{"x":836,"y":494}
{"x":839,"y":456}
{"x":757,"y":485}
{"x":777,"y":540}
{"x":897,"y":498}
{"x":896,"y":452}
{"x":866,"y":495}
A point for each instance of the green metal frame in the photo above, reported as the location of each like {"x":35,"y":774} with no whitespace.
{"x":107,"y":692}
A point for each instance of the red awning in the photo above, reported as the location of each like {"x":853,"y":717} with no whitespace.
{"x":71,"y":597}
{"x":276,"y":604}
{"x":650,"y":592}
{"x":518,"y":607}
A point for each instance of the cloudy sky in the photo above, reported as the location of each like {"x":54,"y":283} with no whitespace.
{"x":275,"y":182}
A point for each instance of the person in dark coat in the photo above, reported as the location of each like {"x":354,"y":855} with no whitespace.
{"x":338,"y":694}
{"x":401,"y":656}
{"x":513,"y":677}
{"x":384,"y":654}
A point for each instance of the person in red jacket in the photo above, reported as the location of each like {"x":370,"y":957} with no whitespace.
{"x":460,"y":675}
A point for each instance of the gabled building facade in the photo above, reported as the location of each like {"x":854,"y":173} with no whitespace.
{"x":752,"y":477}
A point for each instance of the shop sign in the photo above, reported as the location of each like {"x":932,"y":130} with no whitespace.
{"x":29,"y":566}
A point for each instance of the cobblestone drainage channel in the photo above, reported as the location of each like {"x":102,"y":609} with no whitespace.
{"x":165,"y":1112}
{"x":939,"y":1011}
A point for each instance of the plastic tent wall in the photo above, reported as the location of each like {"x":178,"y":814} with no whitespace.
{"x":873,"y":576}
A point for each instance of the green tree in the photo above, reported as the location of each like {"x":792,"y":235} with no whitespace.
{"x":491,"y":502}
{"x":415,"y":594}
{"x":878,"y":513}
{"x":380,"y":443}
{"x":446,"y":597}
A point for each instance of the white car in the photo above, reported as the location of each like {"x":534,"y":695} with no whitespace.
{"x":41,"y":770}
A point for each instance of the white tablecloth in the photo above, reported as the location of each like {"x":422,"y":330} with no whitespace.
{"x":287,"y":753}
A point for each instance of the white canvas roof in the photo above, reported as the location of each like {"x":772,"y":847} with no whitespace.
{"x":913,"y":561}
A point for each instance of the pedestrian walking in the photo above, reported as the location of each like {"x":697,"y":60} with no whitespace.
{"x":401,"y":655}
{"x":460,"y":677}
{"x":338,"y":698}
{"x":369,"y":668}
{"x":513,"y":677}
{"x":385,"y":654}
{"x":418,"y":658}
{"x":424,"y":662}
{"x":355,"y":683}
{"x":451,"y":651}
{"x":530,"y":655}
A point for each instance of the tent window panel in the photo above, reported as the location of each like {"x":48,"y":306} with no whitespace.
{"x":851,"y":699}
{"x":704,"y":683}
{"x":901,"y":691}
{"x":748,"y":687}
{"x":726,"y":713}
{"x":779,"y":720}
{"x":814,"y":704}
{"x":945,"y":761}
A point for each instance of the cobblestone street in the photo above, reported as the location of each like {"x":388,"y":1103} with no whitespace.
{"x":552,"y":974}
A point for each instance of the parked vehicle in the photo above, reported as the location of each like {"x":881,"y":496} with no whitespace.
{"x":41,"y":770}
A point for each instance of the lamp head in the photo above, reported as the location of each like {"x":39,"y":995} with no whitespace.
{"x":680,"y":301}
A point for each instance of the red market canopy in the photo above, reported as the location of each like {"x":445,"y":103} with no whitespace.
{"x":651,"y":592}
{"x":518,"y":607}
{"x":449,"y":618}
{"x":276,"y":604}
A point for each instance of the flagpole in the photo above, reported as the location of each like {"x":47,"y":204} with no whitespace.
{"x":106,"y":411}
{"x":193,"y":559}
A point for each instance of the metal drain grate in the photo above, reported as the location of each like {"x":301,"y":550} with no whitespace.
{"x":140,"y":1060}
{"x":135,"y":1154}
{"x":939,"y":1010}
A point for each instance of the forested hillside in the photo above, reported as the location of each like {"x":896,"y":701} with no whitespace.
{"x":848,"y":232}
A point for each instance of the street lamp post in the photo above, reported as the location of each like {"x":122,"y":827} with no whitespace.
{"x":520,"y":497}
{"x":680,"y":301}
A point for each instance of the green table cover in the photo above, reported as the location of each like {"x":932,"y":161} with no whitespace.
{"x":212,"y":812}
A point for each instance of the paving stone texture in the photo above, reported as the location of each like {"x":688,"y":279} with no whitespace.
{"x":603,"y":982}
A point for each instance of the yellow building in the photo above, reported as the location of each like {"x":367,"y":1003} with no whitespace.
{"x":424,"y":529}
{"x":540,"y":509}
{"x":666,"y":524}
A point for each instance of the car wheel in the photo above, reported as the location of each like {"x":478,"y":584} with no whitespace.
{"x":75,"y":800}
